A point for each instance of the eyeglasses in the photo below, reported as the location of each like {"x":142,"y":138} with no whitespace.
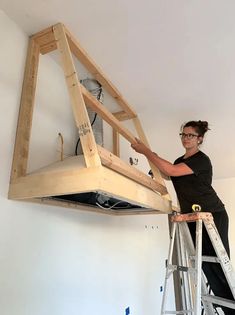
{"x":188,"y":135}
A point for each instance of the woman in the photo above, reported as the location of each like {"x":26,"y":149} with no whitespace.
{"x":191,"y":175}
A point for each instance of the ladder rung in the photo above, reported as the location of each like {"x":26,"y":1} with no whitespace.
{"x":180,"y":268}
{"x":178,"y":312}
{"x":211,"y":259}
{"x":219,"y":301}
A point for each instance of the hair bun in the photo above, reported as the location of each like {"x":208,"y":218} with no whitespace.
{"x":204,"y":125}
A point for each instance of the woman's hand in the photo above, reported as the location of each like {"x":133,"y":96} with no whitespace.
{"x":140,"y":147}
{"x":164,"y":166}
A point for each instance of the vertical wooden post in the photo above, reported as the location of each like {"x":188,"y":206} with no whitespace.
{"x":78,"y":105}
{"x":141,"y":134}
{"x":116,"y":143}
{"x":21,"y":151}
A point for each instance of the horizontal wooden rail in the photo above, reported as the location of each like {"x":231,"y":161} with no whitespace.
{"x":46,"y":40}
{"x":121,"y":115}
{"x":111,"y":161}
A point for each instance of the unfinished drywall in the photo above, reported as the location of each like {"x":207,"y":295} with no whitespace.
{"x":56,"y":261}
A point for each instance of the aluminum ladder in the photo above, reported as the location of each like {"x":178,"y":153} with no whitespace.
{"x":196,"y":299}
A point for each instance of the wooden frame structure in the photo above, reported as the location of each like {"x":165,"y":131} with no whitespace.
{"x":98,"y":170}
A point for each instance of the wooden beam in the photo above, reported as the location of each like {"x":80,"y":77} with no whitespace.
{"x":121,"y":116}
{"x":45,"y":49}
{"x":156,"y":173}
{"x":83,"y":57}
{"x":116,"y":143}
{"x":86,"y":173}
{"x":175,"y":208}
{"x":79,"y":108}
{"x":55,"y":181}
{"x":111,"y":161}
{"x":103,"y":112}
{"x":21,"y":150}
{"x":46,"y":40}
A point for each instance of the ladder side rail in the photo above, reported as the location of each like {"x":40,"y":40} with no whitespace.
{"x":207,"y":304}
{"x":208,"y":307}
{"x":221,"y":253}
{"x":187,"y":287}
{"x":219,"y":301}
{"x":184,"y":264}
{"x":169,"y":262}
{"x":181,"y":274}
{"x":198,"y":267}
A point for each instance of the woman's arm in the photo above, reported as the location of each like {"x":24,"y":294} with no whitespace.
{"x":167,"y":168}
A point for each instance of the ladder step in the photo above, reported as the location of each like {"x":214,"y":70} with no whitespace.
{"x":210,"y":259}
{"x":180,"y":268}
{"x":178,"y":312}
{"x":219,"y":301}
{"x":191,"y":217}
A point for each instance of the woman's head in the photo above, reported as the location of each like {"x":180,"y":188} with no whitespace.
{"x":193,"y":132}
{"x":201,"y":127}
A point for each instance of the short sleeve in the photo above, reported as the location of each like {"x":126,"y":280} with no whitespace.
{"x":199,"y":163}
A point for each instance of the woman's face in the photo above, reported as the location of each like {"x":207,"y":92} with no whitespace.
{"x":190,"y":138}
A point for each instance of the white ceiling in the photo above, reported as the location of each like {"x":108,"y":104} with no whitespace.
{"x":173,"y":60}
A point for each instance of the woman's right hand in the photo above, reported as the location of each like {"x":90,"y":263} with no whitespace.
{"x":140,"y":147}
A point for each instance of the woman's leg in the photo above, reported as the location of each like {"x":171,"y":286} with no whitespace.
{"x":213,"y":271}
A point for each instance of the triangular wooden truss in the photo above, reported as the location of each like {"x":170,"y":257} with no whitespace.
{"x":102,"y":171}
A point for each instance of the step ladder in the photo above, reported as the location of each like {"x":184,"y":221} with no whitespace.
{"x":196,"y":299}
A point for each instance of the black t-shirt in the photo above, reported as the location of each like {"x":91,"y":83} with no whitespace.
{"x":196,"y":188}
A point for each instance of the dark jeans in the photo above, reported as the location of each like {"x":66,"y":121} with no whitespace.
{"x":213,"y":271}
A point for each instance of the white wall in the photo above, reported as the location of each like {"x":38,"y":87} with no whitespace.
{"x":55,"y":261}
